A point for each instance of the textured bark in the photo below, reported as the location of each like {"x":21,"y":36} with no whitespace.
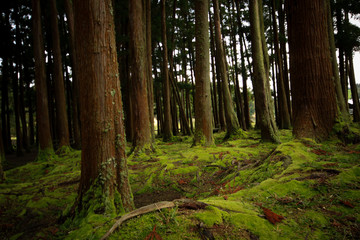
{"x":61,"y":114}
{"x":264,"y":113}
{"x":203,"y":113}
{"x":75,"y":94}
{"x":42,"y":114}
{"x":343,"y":80}
{"x":139,"y":76}
{"x":103,"y":162}
{"x":284,"y":115}
{"x":313,"y":92}
{"x":232,"y":125}
{"x":167,"y":128}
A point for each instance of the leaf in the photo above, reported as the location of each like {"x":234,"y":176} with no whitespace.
{"x":153,"y":235}
{"x":271,"y":216}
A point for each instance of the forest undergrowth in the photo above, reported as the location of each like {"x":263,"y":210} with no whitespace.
{"x":248,"y":189}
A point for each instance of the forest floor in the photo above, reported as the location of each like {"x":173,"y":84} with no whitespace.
{"x":298,"y":189}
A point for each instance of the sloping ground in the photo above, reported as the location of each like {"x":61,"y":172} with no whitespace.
{"x":296,"y":190}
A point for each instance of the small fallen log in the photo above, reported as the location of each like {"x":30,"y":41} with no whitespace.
{"x":186,"y":203}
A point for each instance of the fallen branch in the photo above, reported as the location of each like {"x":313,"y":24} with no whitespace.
{"x":187,"y":203}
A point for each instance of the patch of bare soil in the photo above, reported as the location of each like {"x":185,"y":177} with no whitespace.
{"x":144,"y":199}
{"x":14,"y":160}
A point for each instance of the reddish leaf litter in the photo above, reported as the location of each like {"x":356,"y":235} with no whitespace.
{"x":347,"y":203}
{"x":153,"y":235}
{"x":321,"y":152}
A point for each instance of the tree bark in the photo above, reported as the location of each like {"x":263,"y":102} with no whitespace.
{"x":354,"y":92}
{"x":285,"y":122}
{"x":75,"y":94}
{"x":150,"y":85}
{"x":104,"y":173}
{"x":203,"y":113}
{"x":313,"y":93}
{"x":335,"y":69}
{"x":139,"y":76}
{"x":232,"y":125}
{"x":60,"y":101}
{"x":260,"y":78}
{"x":42,"y":113}
{"x":167,"y":134}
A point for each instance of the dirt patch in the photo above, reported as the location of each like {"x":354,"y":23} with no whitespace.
{"x":144,"y":199}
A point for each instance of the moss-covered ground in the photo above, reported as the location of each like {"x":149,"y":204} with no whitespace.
{"x":298,"y":189}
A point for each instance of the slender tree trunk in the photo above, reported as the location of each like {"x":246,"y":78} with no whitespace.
{"x":245,"y":88}
{"x":335,"y":69}
{"x":260,"y":79}
{"x":104,"y":173}
{"x":203,"y":113}
{"x":232,"y":125}
{"x":166,"y":83}
{"x":2,"y":157}
{"x":282,"y":40}
{"x":139,"y":76}
{"x":75,"y":95}
{"x":61,"y":114}
{"x":42,"y":114}
{"x":313,"y":91}
{"x":284,"y":114}
{"x":5,"y":122}
{"x":354,"y":92}
{"x":150,"y":85}
{"x":339,"y":25}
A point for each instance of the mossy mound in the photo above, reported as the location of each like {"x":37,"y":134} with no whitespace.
{"x":295,"y":190}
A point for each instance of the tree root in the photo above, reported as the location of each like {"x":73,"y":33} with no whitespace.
{"x":185,"y":203}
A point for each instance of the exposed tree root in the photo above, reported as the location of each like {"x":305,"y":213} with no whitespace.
{"x":185,"y":203}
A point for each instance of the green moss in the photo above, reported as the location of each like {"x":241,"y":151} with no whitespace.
{"x":211,"y":215}
{"x":185,"y":170}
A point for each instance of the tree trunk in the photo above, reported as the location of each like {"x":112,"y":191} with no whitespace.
{"x":313,"y":93}
{"x":2,"y":157}
{"x":343,"y":80}
{"x":282,"y":40}
{"x":61,"y":114}
{"x":203,"y":113}
{"x":139,"y":76}
{"x":75,"y":94}
{"x":42,"y":113}
{"x":283,"y":108}
{"x":354,"y":92}
{"x":260,"y":80}
{"x":232,"y":125}
{"x":104,"y":174}
{"x":335,"y":69}
{"x":150,"y":85}
{"x":166,"y":83}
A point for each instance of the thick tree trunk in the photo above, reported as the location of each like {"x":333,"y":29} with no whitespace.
{"x":104,"y":173}
{"x":139,"y":76}
{"x":313,"y":93}
{"x":284,"y":115}
{"x":75,"y":94}
{"x":264,"y":113}
{"x":61,"y":114}
{"x":167,"y":134}
{"x":203,"y":113}
{"x":232,"y":125}
{"x":42,"y":113}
